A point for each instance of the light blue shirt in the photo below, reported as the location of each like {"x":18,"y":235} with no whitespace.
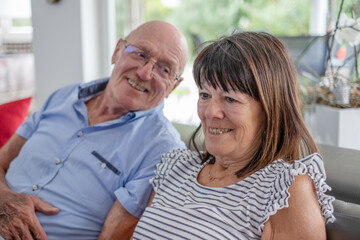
{"x":83,"y":169}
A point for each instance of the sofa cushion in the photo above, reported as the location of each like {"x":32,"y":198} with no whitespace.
{"x":347,"y":224}
{"x":342,"y":172}
{"x":12,"y":114}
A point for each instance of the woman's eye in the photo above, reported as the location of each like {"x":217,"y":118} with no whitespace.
{"x":204,"y":95}
{"x":230,"y":100}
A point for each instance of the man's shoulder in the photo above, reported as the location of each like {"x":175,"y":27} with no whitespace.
{"x":159,"y":123}
{"x":161,"y":132}
{"x":62,"y":94}
{"x":82,"y":89}
{"x":67,"y":89}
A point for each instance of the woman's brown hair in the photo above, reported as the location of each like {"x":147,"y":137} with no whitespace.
{"x":259,"y":65}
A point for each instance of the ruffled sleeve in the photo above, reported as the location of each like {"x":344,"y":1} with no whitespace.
{"x":285,"y":172}
{"x":168,"y":162}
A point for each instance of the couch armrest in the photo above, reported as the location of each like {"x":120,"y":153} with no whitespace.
{"x":342,"y":172}
{"x":347,"y":224}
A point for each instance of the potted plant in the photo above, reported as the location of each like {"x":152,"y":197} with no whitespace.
{"x":334,"y":119}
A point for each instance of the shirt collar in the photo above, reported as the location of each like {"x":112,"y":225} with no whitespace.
{"x":89,"y":89}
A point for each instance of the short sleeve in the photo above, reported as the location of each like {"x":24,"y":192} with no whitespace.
{"x":29,"y":126}
{"x":167,"y":163}
{"x":135,"y":195}
{"x":284,"y":176}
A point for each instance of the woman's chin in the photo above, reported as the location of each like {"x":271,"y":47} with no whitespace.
{"x":216,"y":150}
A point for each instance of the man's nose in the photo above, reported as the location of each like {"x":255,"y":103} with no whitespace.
{"x":145,"y":72}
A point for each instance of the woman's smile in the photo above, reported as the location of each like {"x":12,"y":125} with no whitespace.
{"x":218,"y":131}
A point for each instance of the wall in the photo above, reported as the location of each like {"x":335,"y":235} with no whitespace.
{"x":71,"y":41}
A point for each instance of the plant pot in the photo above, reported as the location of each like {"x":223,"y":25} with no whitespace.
{"x":342,"y":94}
{"x":334,"y":126}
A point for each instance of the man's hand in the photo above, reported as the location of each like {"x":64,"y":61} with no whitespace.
{"x":18,"y":220}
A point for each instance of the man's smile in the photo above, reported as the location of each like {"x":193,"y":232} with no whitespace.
{"x":138,"y":87}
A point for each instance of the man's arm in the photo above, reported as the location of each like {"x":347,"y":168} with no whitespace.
{"x":10,"y":151}
{"x":119,"y":223}
{"x":17,"y":211}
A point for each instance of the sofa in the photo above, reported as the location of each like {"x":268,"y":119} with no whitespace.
{"x":12,"y":114}
{"x":343,"y":175}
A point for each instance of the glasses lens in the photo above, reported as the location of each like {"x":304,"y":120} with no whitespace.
{"x":163,"y":71}
{"x":160,"y":70}
{"x":136,"y":53}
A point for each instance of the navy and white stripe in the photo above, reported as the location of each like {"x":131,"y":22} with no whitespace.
{"x":184,"y":209}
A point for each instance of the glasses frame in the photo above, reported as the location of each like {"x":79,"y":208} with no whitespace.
{"x":149,"y":58}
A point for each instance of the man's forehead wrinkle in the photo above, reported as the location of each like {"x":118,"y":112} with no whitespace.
{"x":171,"y":41}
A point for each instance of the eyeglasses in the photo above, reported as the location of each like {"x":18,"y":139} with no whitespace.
{"x":159,"y":70}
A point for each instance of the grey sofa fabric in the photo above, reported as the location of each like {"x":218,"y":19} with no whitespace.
{"x":347,"y":224}
{"x":343,"y":175}
{"x":343,"y":172}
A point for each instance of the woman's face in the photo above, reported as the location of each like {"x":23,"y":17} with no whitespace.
{"x":231,"y":122}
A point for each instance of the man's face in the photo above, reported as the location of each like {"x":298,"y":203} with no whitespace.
{"x":134,"y":84}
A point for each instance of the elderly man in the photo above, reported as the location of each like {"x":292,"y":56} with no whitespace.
{"x":79,"y":168}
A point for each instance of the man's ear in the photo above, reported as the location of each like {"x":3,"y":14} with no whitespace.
{"x":116,"y":51}
{"x":177,"y":82}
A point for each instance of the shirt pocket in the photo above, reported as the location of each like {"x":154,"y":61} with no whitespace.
{"x":105,"y":163}
{"x":100,"y":178}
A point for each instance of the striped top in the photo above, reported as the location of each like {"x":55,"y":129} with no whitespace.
{"x":184,"y":209}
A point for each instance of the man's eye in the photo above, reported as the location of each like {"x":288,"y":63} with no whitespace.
{"x":140,"y":55}
{"x":164,"y":69}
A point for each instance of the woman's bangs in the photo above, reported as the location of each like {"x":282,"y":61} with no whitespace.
{"x":223,"y":66}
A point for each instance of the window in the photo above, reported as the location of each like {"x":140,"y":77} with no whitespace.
{"x":207,"y":20}
{"x":16,"y":58}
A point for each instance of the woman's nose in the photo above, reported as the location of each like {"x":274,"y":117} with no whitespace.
{"x":214,"y":110}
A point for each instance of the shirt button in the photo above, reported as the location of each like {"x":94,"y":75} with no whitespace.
{"x":34,"y":187}
{"x":80,"y":134}
{"x":103,"y":165}
{"x":57,"y":161}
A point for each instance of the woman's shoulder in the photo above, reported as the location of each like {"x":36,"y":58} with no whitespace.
{"x":311,"y":164}
{"x":174,"y":162}
{"x":181,"y":154}
{"x":302,"y":213}
{"x":308,"y":170}
{"x":177,"y":158}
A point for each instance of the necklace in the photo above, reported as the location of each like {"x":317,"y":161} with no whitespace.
{"x":213,"y":178}
{"x":91,"y":110}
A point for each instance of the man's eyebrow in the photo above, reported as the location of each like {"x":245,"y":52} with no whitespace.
{"x":169,"y":64}
{"x":145,"y":49}
{"x":166,"y":62}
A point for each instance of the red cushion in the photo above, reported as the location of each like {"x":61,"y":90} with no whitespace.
{"x":12,"y":114}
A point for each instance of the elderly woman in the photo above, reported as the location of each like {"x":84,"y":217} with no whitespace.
{"x":260,"y":176}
